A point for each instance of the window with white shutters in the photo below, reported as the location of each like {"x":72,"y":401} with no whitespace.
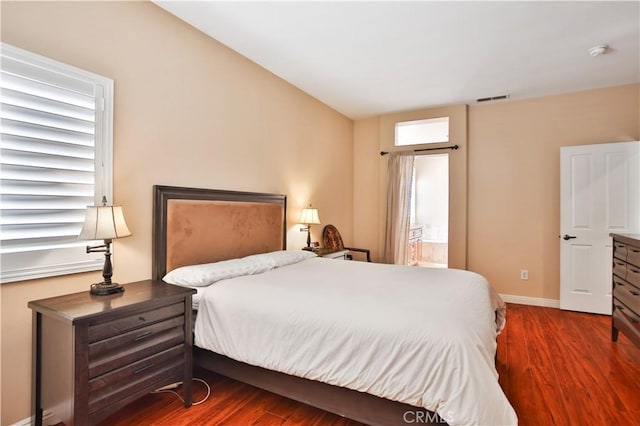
{"x":55,"y":159}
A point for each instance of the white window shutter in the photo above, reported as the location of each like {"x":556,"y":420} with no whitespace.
{"x":52,"y":128}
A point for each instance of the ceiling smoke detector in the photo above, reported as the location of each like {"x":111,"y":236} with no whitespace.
{"x":598,"y":50}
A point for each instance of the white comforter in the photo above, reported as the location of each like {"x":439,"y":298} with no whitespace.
{"x":422,"y":336}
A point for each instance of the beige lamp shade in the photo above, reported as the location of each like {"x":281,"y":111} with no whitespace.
{"x":310,"y":216}
{"x":104,"y":223}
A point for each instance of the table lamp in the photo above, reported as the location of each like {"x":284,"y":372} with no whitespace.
{"x":106,"y":223}
{"x":309,"y":217}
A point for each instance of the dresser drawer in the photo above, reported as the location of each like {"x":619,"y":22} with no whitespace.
{"x":129,"y":350}
{"x":620,"y":250}
{"x":620,"y":268}
{"x":629,"y":318}
{"x":112,"y":328}
{"x":633,"y":256}
{"x":627,"y":294}
{"x":633,"y":275}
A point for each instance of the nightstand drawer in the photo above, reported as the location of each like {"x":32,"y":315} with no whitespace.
{"x":104,"y":384}
{"x":627,"y":294}
{"x":132,"y":338}
{"x":144,"y":380}
{"x":106,"y":358}
{"x":112,"y":328}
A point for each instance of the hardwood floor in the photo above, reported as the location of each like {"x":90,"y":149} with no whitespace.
{"x":556,"y":368}
{"x":561,"y":368}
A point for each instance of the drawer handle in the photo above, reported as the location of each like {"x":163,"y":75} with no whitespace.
{"x":635,"y":293}
{"x":141,"y":318}
{"x":620,"y":307}
{"x":635,"y":271}
{"x":143,"y":335}
{"x":635,"y":250}
{"x":141,"y":369}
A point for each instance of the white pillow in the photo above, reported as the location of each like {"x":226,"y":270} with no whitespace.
{"x":284,"y":257}
{"x":208,"y":273}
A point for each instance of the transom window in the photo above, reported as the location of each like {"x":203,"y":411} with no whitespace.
{"x":418,"y":132}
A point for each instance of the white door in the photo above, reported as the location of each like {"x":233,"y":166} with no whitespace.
{"x":599,"y":194}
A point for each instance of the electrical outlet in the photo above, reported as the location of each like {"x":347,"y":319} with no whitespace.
{"x":524,"y":274}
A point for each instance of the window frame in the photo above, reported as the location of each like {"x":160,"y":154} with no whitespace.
{"x":72,"y":258}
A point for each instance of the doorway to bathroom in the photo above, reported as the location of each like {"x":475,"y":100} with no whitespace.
{"x":429,"y":211}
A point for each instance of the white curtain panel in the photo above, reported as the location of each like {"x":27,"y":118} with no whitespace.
{"x":399,"y":176}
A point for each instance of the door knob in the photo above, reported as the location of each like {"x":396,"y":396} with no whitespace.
{"x":568,"y":237}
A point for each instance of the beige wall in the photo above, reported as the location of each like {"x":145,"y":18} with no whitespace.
{"x":367,"y":203}
{"x":513,"y":179}
{"x":188,"y":112}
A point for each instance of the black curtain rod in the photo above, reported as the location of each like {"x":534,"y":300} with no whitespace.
{"x":453,"y":147}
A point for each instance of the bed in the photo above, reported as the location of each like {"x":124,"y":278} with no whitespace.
{"x":381,"y":344}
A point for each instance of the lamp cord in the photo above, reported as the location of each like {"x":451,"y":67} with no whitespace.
{"x":181,"y":399}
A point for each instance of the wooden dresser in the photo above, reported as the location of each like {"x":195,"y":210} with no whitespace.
{"x":95,"y":354}
{"x":626,"y":287}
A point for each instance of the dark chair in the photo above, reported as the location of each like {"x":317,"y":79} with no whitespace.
{"x":333,"y":241}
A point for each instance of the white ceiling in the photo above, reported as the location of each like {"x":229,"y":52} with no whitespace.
{"x":370,"y":58}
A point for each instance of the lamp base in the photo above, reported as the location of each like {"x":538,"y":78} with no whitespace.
{"x":103,"y":288}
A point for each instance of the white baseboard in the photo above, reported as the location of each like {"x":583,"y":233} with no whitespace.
{"x":48,"y":418}
{"x":24,"y":422}
{"x":532,"y":301}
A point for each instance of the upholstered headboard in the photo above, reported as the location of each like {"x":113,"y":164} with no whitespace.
{"x":193,"y":226}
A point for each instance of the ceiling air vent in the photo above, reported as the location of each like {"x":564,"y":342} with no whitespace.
{"x":493,"y":98}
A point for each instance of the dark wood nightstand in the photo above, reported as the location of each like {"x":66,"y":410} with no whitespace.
{"x":95,"y":354}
